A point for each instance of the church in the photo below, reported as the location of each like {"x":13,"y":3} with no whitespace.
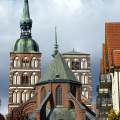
{"x":55,"y":95}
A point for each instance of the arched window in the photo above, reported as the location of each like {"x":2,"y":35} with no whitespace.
{"x":58,"y":96}
{"x":83,"y":63}
{"x":85,"y":92}
{"x":25,"y":62}
{"x":25,"y":79}
{"x":18,"y":97}
{"x":16,"y":62}
{"x":68,"y":62}
{"x":27,"y":96}
{"x":43,"y":93}
{"x":23,"y":97}
{"x":16,"y":78}
{"x":84,"y":79}
{"x":34,"y":62}
{"x":34,"y":78}
{"x":14,"y":97}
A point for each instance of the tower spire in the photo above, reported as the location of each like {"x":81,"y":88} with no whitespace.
{"x":26,"y":21}
{"x":56,"y":43}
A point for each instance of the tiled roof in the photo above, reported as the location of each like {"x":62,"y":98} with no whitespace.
{"x":110,"y":54}
{"x":112,"y":38}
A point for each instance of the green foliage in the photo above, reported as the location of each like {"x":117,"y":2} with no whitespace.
{"x":113,"y":115}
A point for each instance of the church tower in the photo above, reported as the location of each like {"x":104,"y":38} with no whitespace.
{"x":25,"y":62}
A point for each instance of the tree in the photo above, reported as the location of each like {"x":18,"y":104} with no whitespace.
{"x":113,"y":115}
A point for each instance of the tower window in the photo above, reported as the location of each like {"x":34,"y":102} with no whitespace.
{"x":58,"y":95}
{"x":25,"y":62}
{"x":16,"y":62}
{"x":16,"y":79}
{"x":68,"y":62}
{"x":14,"y":97}
{"x":18,"y":97}
{"x":77,"y":76}
{"x":34,"y":62}
{"x":34,"y":79}
{"x":32,"y":94}
{"x":83,"y":63}
{"x":84,"y":79}
{"x":27,"y":96}
{"x":23,"y":97}
{"x":75,"y":65}
{"x":85,"y":92}
{"x":25,"y":80}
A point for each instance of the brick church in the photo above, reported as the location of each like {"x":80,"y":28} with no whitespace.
{"x":56,"y":96}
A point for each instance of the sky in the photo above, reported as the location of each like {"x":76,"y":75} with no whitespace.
{"x":80,"y":25}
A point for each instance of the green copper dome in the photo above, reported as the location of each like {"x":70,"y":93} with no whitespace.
{"x":26,"y":45}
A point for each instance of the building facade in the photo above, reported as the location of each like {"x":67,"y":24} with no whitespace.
{"x":108,"y":89}
{"x":57,"y":96}
{"x":80,"y":65}
{"x":25,"y":62}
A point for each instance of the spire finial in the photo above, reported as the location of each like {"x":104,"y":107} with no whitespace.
{"x":56,"y":43}
{"x":26,"y":21}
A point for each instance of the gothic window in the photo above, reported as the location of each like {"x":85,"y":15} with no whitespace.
{"x":16,"y":62}
{"x":34,"y":62}
{"x":23,"y":97}
{"x":85,"y":92}
{"x":75,"y":65}
{"x":34,"y":79}
{"x":83,"y":63}
{"x":25,"y":62}
{"x":25,"y":80}
{"x":84,"y":79}
{"x":14,"y":97}
{"x":43,"y":93}
{"x":58,"y":95}
{"x":16,"y":78}
{"x":18,"y":97}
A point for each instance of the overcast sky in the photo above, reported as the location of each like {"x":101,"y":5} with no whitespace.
{"x":80,"y":25}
